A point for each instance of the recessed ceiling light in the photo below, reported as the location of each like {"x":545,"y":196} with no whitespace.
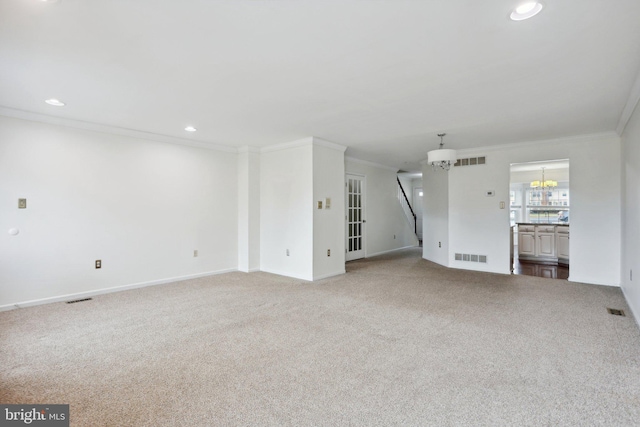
{"x":526,"y":10}
{"x":55,"y":102}
{"x":190,"y":129}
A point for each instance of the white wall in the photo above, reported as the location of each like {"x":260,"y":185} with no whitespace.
{"x":286,"y":210}
{"x":294,"y":177}
{"x":631,"y":213}
{"x":383,"y":212}
{"x":435,"y":215}
{"x":249,"y":209}
{"x":141,"y":207}
{"x":478,"y":226}
{"x":328,"y":223}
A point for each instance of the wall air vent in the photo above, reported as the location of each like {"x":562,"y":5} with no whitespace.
{"x":471,"y":161}
{"x":471,"y":258}
{"x":615,"y":311}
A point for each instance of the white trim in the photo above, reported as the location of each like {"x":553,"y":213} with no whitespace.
{"x":111,"y":130}
{"x":328,"y":144}
{"x":286,"y":145}
{"x":326,"y":276}
{"x":366,"y":162}
{"x":635,"y":315}
{"x":80,"y":295}
{"x":390,"y":250}
{"x":248,"y":149}
{"x":251,"y":270}
{"x":555,"y":141}
{"x":589,"y":282}
{"x":630,"y":106}
{"x":304,"y":142}
{"x":284,"y":274}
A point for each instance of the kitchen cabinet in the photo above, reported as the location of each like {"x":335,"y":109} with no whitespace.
{"x":526,"y":241}
{"x":544,"y":243}
{"x":562,"y":244}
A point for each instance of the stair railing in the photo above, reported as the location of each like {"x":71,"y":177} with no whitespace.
{"x":406,"y":206}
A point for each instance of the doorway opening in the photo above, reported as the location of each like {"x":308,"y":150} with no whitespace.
{"x":540,"y":218}
{"x":418,"y":197}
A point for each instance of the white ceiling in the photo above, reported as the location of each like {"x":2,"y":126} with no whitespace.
{"x":381,"y":77}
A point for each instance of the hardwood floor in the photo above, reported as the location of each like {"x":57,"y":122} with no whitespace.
{"x":549,"y":271}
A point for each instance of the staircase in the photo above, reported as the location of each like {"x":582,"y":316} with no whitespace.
{"x":408,"y":210}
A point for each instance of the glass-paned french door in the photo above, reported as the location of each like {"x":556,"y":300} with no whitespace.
{"x":355,"y":217}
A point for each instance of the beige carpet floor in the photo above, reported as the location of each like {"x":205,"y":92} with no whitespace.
{"x":397,"y":341}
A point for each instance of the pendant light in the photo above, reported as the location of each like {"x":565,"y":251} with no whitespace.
{"x":441,"y":158}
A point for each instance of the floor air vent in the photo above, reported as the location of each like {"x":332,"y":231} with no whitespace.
{"x":615,"y":311}
{"x":79,"y":300}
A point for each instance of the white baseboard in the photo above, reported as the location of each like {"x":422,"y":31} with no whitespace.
{"x":635,"y":315}
{"x":285,"y":274}
{"x":326,"y":276}
{"x":88,"y":294}
{"x":390,"y":250}
{"x":588,"y":281}
{"x":307,"y":279}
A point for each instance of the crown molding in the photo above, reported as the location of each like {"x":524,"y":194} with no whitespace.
{"x":537,"y":143}
{"x":304,"y":142}
{"x":328,"y":144}
{"x":287,"y":145}
{"x":630,"y":106}
{"x":112,"y":130}
{"x":368,"y":163}
{"x":248,"y":149}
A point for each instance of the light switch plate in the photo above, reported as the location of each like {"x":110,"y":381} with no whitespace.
{"x":319,"y":204}
{"x":22,"y":203}
{"x":327,"y":203}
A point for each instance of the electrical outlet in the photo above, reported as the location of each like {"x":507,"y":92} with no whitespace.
{"x":287,"y":252}
{"x":439,"y":244}
{"x":98,"y":263}
{"x":319,"y":204}
{"x":327,"y":203}
{"x":328,"y":252}
{"x":195,"y":253}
